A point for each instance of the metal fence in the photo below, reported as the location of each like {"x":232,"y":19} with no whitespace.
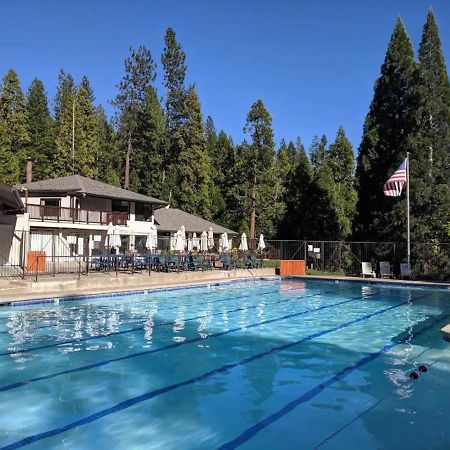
{"x":36,"y":253}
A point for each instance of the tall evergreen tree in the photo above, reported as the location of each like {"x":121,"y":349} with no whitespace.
{"x":151,"y":146}
{"x":108,"y":160}
{"x":9,"y":165}
{"x":259,"y":174}
{"x":13,"y":114}
{"x":430,"y":140}
{"x":41,"y":130}
{"x":194,"y":166}
{"x":64,"y":114}
{"x":341,"y":160}
{"x":385,"y":140}
{"x":139,"y":74}
{"x":318,"y":152}
{"x":87,"y":137}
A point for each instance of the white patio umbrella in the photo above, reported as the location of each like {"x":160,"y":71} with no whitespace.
{"x":183,"y":235}
{"x":243,"y":246}
{"x":173,"y":239}
{"x":221,"y":249}
{"x":152,"y":238}
{"x":109,"y":233}
{"x":195,"y":241}
{"x":179,"y":243}
{"x":230,"y":244}
{"x":225,"y":242}
{"x":210,"y":238}
{"x":261,"y":243}
{"x":189,"y":245}
{"x":204,"y":242}
{"x":117,"y":241}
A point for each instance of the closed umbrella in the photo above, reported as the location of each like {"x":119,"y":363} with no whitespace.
{"x":109,"y":235}
{"x":152,"y":238}
{"x":179,"y":244}
{"x":225,"y":243}
{"x":204,"y":242}
{"x":210,"y":238}
{"x":230,"y":244}
{"x":189,"y":245}
{"x":183,"y":236}
{"x":261,"y":243}
{"x":173,"y":239}
{"x":243,"y":246}
{"x":195,"y":241}
{"x":117,"y":241}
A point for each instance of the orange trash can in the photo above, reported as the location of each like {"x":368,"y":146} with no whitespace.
{"x":36,"y":262}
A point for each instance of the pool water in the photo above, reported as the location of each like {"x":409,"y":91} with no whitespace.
{"x":275,"y":364}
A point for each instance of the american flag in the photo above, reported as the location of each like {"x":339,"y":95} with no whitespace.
{"x":393,"y":187}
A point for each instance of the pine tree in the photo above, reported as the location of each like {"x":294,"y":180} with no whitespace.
{"x":108,"y":160}
{"x":194,"y":165}
{"x":318,"y":152}
{"x":13,"y":114}
{"x":64,"y":113}
{"x":385,"y":141}
{"x":430,"y":140}
{"x":259,"y":173}
{"x":139,"y":74}
{"x":151,"y":146}
{"x":9,"y":165}
{"x":341,"y":160}
{"x":87,"y":138}
{"x":41,"y":130}
{"x":173,"y":61}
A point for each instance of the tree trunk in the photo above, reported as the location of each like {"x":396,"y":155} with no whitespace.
{"x":127,"y":162}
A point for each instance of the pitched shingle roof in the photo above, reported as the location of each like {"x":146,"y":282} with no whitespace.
{"x":10,"y":197}
{"x":171,"y":219}
{"x":77,"y":184}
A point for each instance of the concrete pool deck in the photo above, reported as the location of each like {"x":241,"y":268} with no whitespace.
{"x":103,"y":283}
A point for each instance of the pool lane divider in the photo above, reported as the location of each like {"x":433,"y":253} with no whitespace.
{"x":309,"y":395}
{"x":227,"y":367}
{"x":18,"y":384}
{"x":140,"y":328}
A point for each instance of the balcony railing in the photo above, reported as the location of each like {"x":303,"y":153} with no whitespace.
{"x":75,"y":215}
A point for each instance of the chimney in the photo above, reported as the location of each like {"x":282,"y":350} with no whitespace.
{"x":29,"y":173}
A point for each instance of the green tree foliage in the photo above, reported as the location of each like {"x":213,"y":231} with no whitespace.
{"x":130,"y":100}
{"x":262,"y":188}
{"x":384,"y":145}
{"x":341,"y":161}
{"x":108,"y":159}
{"x":13,"y":116}
{"x":318,"y":152}
{"x":41,"y":130}
{"x":64,"y":104}
{"x":9,"y":165}
{"x":173,"y":61}
{"x":151,"y":147}
{"x":194,"y":166}
{"x":430,"y":140}
{"x":87,"y":137}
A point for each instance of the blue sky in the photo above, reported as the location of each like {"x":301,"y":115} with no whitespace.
{"x":313,"y":63}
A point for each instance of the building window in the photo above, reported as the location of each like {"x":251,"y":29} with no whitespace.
{"x":143,"y":211}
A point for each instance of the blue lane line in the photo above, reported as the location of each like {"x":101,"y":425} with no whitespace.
{"x":149,"y":395}
{"x":140,"y":328}
{"x":18,"y":384}
{"x":309,"y":395}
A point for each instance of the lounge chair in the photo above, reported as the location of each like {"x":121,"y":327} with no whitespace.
{"x":386,"y":270}
{"x":367,"y":270}
{"x":251,"y":262}
{"x":227,"y":262}
{"x":405,"y":271}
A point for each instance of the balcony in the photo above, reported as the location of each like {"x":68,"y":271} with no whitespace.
{"x":74,"y":215}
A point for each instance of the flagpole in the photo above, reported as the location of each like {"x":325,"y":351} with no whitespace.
{"x":408,"y":234}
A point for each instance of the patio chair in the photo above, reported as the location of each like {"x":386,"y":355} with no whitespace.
{"x":367,"y":270}
{"x":386,"y":270}
{"x":405,"y":271}
{"x":252,"y":262}
{"x":227,"y":262}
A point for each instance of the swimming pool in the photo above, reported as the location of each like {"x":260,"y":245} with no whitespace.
{"x":275,"y":364}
